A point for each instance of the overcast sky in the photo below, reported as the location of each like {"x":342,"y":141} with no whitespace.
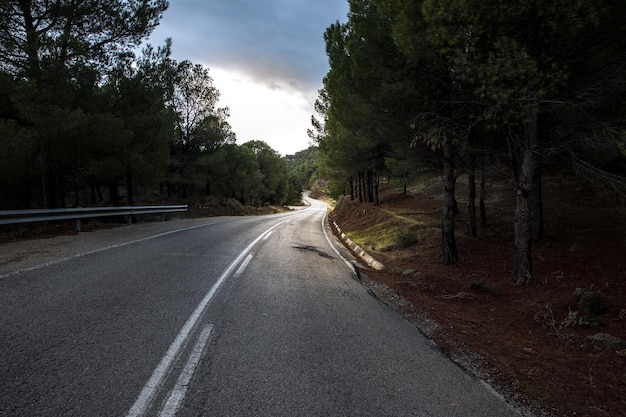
{"x":267,"y":59}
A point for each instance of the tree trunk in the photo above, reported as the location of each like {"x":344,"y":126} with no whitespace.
{"x":114,"y":195}
{"x":471,"y":198}
{"x":99,"y":192}
{"x":522,"y":218}
{"x":522,"y":236}
{"x":450,"y":255}
{"x":33,"y":70}
{"x":376,"y":199}
{"x":360,"y":181}
{"x":369,"y":179}
{"x":25,"y":196}
{"x":129,"y":188}
{"x":351,"y":185}
{"x":483,"y":196}
{"x":44,"y":165}
{"x":406,"y":181}
{"x":61,"y":190}
{"x":455,"y":205}
{"x":92,"y":186}
{"x":537,"y":204}
{"x":76,"y":196}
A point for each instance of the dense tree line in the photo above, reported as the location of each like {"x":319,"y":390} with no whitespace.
{"x":85,"y":120}
{"x":459,"y":85}
{"x":302,"y":168}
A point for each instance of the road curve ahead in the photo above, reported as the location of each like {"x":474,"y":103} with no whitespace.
{"x":233,"y":316}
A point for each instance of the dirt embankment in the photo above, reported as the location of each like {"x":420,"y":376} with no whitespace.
{"x":557,"y":341}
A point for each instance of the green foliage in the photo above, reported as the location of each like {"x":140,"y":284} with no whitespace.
{"x":302,"y":168}
{"x":17,"y":151}
{"x":273,"y":170}
{"x":573,"y":320}
{"x":252,"y":173}
{"x":200,"y":127}
{"x":60,"y":72}
{"x":54,"y":42}
{"x":528,"y":83}
{"x":405,"y":239}
{"x":366,"y":80}
{"x":82,"y":111}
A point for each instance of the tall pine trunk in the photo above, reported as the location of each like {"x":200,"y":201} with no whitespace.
{"x":114,"y":194}
{"x":369,"y":179}
{"x":360,"y":189}
{"x":129,"y":188}
{"x":351,"y":185}
{"x":537,"y":204}
{"x":47,"y":193}
{"x":471,"y":198}
{"x":522,"y":218}
{"x":450,"y":255}
{"x":405,"y":181}
{"x":483,"y":196}
{"x":376,"y":183}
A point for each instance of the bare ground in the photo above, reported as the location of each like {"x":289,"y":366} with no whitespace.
{"x":527,"y":340}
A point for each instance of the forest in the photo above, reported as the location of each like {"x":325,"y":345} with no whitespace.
{"x":469,"y":88}
{"x":86,"y":119}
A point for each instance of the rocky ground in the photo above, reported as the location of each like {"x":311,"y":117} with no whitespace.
{"x":556,"y":344}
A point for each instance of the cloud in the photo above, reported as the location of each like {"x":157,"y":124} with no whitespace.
{"x":278,"y":42}
{"x":267,"y":57}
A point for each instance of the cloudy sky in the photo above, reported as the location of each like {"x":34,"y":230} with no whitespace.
{"x":267,"y":59}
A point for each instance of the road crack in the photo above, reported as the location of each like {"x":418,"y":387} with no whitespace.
{"x":314,"y":250}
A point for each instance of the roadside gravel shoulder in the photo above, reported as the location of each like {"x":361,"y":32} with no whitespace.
{"x":20,"y":255}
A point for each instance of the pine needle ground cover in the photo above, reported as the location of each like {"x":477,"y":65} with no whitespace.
{"x":527,"y":340}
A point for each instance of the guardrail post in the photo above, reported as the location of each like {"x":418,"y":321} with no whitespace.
{"x":77,"y":225}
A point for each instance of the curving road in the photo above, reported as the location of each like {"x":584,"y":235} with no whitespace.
{"x":234,"y":316}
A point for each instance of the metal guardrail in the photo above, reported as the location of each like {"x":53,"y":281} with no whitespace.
{"x":30,"y":216}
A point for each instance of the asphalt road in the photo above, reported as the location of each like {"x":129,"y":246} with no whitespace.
{"x":246,"y":316}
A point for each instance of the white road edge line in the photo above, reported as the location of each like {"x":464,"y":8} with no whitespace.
{"x":148,"y":392}
{"x":349,"y":264}
{"x":118,"y":245}
{"x":177,"y":395}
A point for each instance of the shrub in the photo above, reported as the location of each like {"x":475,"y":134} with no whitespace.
{"x":572,"y":320}
{"x":484,"y":287}
{"x":405,"y":240}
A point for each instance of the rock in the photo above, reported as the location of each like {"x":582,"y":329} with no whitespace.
{"x":607,"y":341}
{"x":591,"y":306}
{"x":412,"y":273}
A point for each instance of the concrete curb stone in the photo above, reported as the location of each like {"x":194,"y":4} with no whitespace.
{"x":369,"y":259}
